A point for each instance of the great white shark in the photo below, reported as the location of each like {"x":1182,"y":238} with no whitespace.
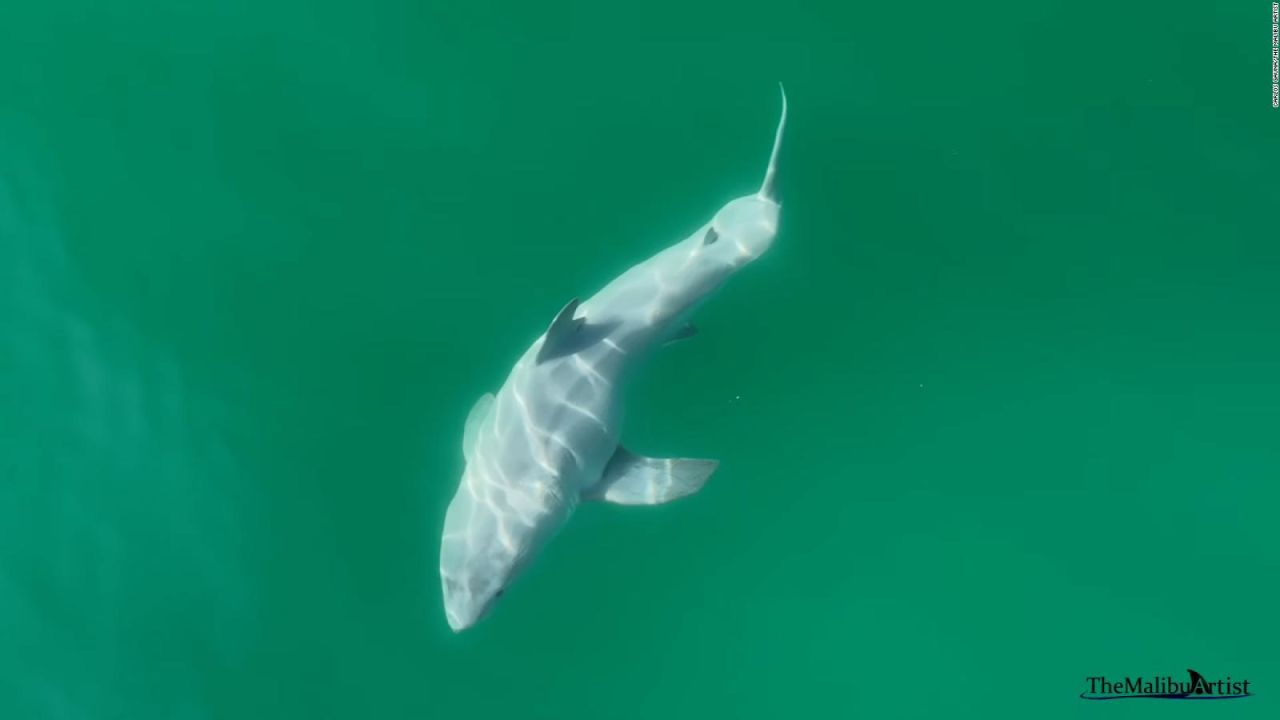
{"x":549,"y":438}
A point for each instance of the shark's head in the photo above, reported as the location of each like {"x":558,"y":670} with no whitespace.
{"x":490,"y":535}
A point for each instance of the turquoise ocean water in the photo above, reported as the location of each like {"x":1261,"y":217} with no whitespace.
{"x":998,"y":412}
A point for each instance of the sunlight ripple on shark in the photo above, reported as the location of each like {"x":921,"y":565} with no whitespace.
{"x":549,"y":438}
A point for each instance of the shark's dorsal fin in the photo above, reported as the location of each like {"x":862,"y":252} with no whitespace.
{"x":631,"y":479}
{"x":568,"y":334}
{"x":561,"y":333}
{"x":475,"y":419}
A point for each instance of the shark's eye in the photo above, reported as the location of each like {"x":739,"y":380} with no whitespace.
{"x":711,"y":236}
{"x":499,"y":593}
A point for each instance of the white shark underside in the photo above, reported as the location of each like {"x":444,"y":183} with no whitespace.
{"x":550,"y":437}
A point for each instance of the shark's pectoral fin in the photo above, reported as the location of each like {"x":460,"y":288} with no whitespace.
{"x":634,"y":480}
{"x":475,"y":418}
{"x":684,"y":332}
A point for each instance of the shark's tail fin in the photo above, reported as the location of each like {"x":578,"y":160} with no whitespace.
{"x":768,"y":189}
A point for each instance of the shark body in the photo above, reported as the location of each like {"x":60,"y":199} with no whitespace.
{"x":549,"y":438}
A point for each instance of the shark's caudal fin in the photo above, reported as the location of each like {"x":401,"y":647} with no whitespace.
{"x":768,"y":189}
{"x":631,"y":479}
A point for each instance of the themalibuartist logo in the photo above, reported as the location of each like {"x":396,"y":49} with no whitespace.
{"x":1166,"y":688}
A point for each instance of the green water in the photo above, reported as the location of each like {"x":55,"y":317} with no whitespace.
{"x":999,"y":411}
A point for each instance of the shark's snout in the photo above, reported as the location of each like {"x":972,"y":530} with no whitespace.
{"x":463,"y":607}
